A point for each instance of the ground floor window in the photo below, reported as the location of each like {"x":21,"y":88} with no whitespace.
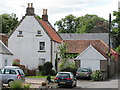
{"x":6,"y":62}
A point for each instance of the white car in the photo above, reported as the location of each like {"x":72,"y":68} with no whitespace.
{"x":10,"y":74}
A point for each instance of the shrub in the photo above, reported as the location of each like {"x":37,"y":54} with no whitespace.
{"x":46,"y":69}
{"x":14,"y":63}
{"x":70,"y":67}
{"x":16,"y":84}
{"x":97,"y":76}
{"x":26,"y":85}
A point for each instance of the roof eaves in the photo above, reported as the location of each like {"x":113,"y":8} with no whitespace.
{"x":55,"y":30}
{"x":18,"y":24}
{"x":43,"y":27}
{"x":107,"y":46}
{"x":43,"y":22}
{"x":6,"y":48}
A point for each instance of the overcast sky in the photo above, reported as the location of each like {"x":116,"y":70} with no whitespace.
{"x":58,"y":9}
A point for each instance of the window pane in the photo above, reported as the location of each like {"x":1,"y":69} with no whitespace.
{"x":6,"y":71}
{"x":38,"y":32}
{"x":12,"y":72}
{"x":5,"y":62}
{"x":42,"y":45}
{"x":20,"y":72}
{"x":20,"y":32}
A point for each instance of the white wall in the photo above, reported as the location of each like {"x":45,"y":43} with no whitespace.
{"x":93,"y":64}
{"x":26,"y":48}
{"x":55,"y":46}
{"x":91,"y":58}
{"x":4,"y":57}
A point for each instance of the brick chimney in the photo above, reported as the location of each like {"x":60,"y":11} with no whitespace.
{"x":4,"y":38}
{"x":45,"y":16}
{"x":30,"y":9}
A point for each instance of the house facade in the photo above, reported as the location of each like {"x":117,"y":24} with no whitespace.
{"x":6,"y":56}
{"x":34,"y":41}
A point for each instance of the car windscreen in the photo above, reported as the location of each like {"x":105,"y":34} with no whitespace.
{"x":83,"y":70}
{"x":63,"y":75}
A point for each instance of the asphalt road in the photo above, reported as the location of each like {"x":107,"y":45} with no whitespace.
{"x":81,"y":84}
{"x":111,"y":84}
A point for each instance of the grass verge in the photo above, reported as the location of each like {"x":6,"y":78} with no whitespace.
{"x":52,"y":77}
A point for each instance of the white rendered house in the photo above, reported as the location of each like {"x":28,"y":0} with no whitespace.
{"x":34,"y":41}
{"x":6,"y":56}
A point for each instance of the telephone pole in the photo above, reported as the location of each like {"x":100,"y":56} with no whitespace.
{"x":109,"y":47}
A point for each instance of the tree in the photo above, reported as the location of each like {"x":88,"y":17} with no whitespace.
{"x":8,"y":21}
{"x":73,"y":24}
{"x":87,"y":23}
{"x":66,"y":25}
{"x":116,"y":27}
{"x":118,"y":49}
{"x":38,"y":17}
{"x":116,"y":24}
{"x":63,"y":53}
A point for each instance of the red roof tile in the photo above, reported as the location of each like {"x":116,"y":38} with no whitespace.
{"x":50,"y":31}
{"x":78,"y":46}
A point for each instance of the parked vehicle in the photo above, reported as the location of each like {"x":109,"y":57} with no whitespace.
{"x":84,"y":72}
{"x":65,"y":79}
{"x":10,"y":74}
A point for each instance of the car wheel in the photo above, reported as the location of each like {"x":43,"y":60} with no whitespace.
{"x":75,"y":84}
{"x":89,"y":77}
{"x":9,"y":82}
{"x":77,"y":78}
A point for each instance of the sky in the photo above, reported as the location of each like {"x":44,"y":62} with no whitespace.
{"x":58,"y":9}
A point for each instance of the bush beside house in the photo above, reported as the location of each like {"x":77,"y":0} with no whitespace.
{"x":46,"y":69}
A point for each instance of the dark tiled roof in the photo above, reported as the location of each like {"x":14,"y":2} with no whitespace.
{"x":50,"y":31}
{"x":86,"y":36}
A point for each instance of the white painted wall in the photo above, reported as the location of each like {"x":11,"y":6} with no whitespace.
{"x":4,"y":57}
{"x":91,"y":58}
{"x":55,"y":46}
{"x":26,"y":48}
{"x":93,"y":64}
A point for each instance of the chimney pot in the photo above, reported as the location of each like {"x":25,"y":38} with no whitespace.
{"x":28,"y":4}
{"x":45,"y":16}
{"x":44,"y":11}
{"x":31,"y":4}
{"x":30,"y":9}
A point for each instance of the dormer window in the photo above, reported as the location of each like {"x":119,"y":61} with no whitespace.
{"x":20,"y":33}
{"x":39,"y":33}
